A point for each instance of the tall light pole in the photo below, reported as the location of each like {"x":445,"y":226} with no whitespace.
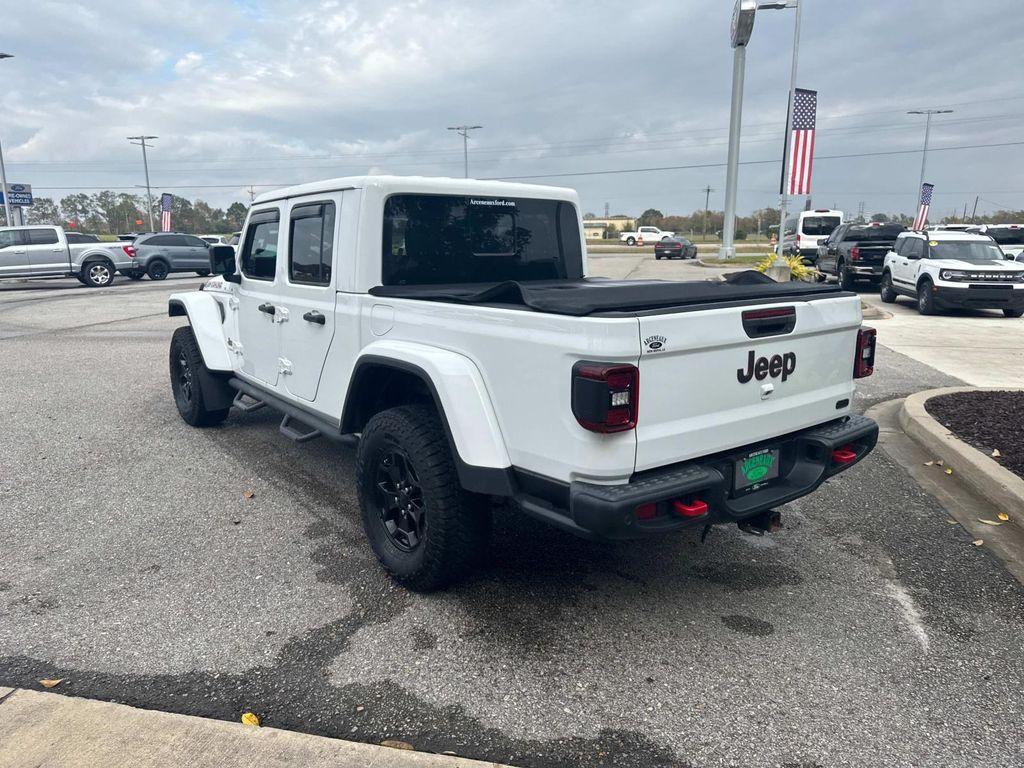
{"x":924,"y":153}
{"x":3,"y":171}
{"x":463,"y":131}
{"x":140,"y":141}
{"x":742,"y":28}
{"x":784,"y":198}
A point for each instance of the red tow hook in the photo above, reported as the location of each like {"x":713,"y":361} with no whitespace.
{"x":844,"y":455}
{"x":695,"y":509}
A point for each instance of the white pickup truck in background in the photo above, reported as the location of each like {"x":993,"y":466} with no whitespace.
{"x":44,"y":251}
{"x":450,"y":324}
{"x":646,"y":235}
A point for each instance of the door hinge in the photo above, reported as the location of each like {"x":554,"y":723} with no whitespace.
{"x":235,"y":346}
{"x":284,"y":366}
{"x":233,"y":303}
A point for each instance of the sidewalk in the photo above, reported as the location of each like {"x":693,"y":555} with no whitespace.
{"x":41,"y":729}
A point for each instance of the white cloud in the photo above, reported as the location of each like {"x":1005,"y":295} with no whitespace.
{"x":188,"y":63}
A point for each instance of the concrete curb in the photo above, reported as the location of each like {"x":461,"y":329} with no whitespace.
{"x":48,"y":729}
{"x":997,"y":485}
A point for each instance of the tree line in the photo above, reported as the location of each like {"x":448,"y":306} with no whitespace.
{"x":109,"y":213}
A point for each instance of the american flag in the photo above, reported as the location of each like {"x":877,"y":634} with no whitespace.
{"x":926,"y":203}
{"x":800,"y":152}
{"x":165,"y":212}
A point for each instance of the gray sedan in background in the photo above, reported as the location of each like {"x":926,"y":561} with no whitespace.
{"x":159,"y":254}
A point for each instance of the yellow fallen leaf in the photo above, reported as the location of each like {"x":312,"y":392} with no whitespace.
{"x":51,"y":683}
{"x":978,"y":542}
{"x":995,"y":453}
{"x":949,"y":471}
{"x":1003,"y":516}
{"x":989,"y":522}
{"x":250,"y":719}
{"x":396,"y":744}
{"x":249,"y":494}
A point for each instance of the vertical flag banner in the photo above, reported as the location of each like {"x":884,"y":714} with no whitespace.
{"x":165,"y":212}
{"x":796,"y":174}
{"x":926,"y":203}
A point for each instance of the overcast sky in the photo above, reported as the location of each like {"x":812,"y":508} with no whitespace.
{"x":273,"y":92}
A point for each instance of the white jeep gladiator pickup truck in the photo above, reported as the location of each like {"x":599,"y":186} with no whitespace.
{"x":44,"y":251}
{"x":450,"y":325}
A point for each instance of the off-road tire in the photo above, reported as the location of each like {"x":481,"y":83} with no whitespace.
{"x":1013,"y":312}
{"x":885,"y":290}
{"x":456,"y":523}
{"x":157,"y":270}
{"x":925,"y":299}
{"x":97,"y":274}
{"x":186,"y":363}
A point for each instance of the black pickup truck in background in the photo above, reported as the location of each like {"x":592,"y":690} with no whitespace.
{"x":856,"y":251}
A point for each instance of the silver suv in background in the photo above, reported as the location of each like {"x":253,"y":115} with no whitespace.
{"x":161,"y":253}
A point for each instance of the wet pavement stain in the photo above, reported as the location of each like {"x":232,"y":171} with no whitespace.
{"x":748,"y":625}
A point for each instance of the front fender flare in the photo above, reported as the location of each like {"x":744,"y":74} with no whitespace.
{"x":462,"y":401}
{"x":205,"y":315}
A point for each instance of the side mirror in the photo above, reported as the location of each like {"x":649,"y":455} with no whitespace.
{"x":222,"y":262}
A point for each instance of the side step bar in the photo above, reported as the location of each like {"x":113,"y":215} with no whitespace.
{"x":291,"y":433}
{"x":297,"y":424}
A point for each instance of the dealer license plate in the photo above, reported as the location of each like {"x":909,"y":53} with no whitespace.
{"x":756,"y":470}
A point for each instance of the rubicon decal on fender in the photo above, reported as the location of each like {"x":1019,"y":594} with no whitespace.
{"x":761,"y":367}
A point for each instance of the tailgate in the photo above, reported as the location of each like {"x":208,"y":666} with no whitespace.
{"x":707,"y":385}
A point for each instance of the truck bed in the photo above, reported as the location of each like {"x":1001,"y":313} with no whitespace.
{"x":596,"y":296}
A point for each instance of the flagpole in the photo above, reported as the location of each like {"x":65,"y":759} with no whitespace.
{"x":789,"y":130}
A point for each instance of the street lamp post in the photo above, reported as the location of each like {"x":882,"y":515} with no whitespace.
{"x":141,"y":141}
{"x":742,"y":28}
{"x":3,"y":171}
{"x":463,"y":131}
{"x":784,"y":197}
{"x":924,"y":153}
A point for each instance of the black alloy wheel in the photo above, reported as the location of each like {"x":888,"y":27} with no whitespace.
{"x":400,"y":500}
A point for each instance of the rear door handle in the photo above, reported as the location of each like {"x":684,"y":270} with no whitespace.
{"x":268,"y":309}
{"x":315,"y":317}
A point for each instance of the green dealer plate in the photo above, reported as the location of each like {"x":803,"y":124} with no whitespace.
{"x":756,"y":470}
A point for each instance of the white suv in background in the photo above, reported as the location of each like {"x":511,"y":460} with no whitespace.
{"x":945,"y":270}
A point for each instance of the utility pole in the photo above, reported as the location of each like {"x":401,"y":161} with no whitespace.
{"x":3,"y":171}
{"x":924,"y":153}
{"x":463,"y":131}
{"x":140,"y":141}
{"x":252,"y":193}
{"x":974,"y":213}
{"x":707,"y":201}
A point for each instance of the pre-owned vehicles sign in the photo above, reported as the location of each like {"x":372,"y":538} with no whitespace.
{"x":18,"y":194}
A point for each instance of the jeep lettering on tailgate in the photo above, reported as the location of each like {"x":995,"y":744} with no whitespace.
{"x":762,"y":367}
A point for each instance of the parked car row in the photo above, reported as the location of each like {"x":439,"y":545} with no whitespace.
{"x":47,"y":251}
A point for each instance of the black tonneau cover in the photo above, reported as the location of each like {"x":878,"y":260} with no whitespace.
{"x":593,"y":295}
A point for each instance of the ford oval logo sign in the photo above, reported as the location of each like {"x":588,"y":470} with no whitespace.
{"x":16,"y":187}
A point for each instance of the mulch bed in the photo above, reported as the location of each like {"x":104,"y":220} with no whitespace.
{"x":988,"y":421}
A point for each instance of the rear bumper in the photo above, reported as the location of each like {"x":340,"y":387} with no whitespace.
{"x":982,"y":297}
{"x":608,"y":511}
{"x":865,"y":270}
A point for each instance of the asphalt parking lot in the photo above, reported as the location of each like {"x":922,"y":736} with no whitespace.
{"x":867,"y":632}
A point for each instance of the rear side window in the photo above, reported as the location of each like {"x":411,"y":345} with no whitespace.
{"x":1007,"y":236}
{"x":259,"y":254}
{"x":311,"y":243}
{"x":159,"y":240}
{"x":194,"y":242}
{"x":42,"y":237}
{"x":446,"y":239}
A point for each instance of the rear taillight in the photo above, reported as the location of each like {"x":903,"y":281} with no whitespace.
{"x":864,"y":362}
{"x":605,"y":397}
{"x":855,"y":253}
{"x":129,"y":251}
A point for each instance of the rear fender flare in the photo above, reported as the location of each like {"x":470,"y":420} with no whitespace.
{"x":462,"y":401}
{"x":205,"y":315}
